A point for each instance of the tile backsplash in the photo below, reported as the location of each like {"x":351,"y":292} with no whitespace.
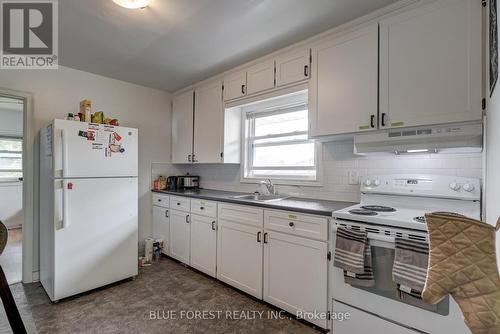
{"x":338,"y":160}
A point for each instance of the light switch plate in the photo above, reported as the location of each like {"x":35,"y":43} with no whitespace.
{"x":353,"y":177}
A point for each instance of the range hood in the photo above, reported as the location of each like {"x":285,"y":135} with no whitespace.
{"x":433,"y":139}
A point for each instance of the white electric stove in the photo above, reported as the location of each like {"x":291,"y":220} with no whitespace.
{"x":394,"y":206}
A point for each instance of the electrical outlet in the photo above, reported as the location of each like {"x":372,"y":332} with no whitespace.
{"x":353,"y":177}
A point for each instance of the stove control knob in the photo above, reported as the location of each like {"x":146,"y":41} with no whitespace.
{"x":376,"y":183}
{"x":454,"y":186}
{"x":468,"y":187}
{"x":368,"y":182}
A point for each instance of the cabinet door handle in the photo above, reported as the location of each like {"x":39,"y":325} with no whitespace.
{"x":166,"y":213}
{"x":383,"y":119}
{"x":258,"y":236}
{"x":265,"y":238}
{"x":306,"y":70}
{"x":213,"y":225}
{"x":187,"y":219}
{"x":189,"y":157}
{"x":372,"y":121}
{"x":193,"y":159}
{"x":243,"y":89}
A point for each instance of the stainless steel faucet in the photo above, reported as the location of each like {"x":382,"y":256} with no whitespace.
{"x":270,"y":186}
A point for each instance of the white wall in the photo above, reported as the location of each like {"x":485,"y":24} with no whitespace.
{"x":492,"y":184}
{"x":338,"y":160}
{"x":57,"y":92}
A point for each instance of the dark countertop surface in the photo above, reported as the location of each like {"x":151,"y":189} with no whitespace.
{"x":298,"y":204}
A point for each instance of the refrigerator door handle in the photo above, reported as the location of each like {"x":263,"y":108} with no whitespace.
{"x":64,"y":148}
{"x":65,"y":222}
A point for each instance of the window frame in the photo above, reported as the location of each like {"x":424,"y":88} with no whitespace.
{"x":20,"y":170}
{"x":247,"y":152}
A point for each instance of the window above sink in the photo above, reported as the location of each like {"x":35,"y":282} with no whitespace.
{"x":276,"y":143}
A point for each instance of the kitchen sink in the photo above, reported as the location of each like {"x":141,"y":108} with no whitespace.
{"x":260,"y":198}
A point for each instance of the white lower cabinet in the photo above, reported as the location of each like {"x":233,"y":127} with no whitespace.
{"x":204,"y":244}
{"x":161,"y":226}
{"x":295,"y":274}
{"x":180,"y":235}
{"x":239,"y":256}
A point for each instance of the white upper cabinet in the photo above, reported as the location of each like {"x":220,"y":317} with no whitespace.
{"x":182,"y":127}
{"x":343,"y":92}
{"x":260,"y":77}
{"x":430,"y":64}
{"x":235,"y":85}
{"x":293,"y":67}
{"x":208,"y":123}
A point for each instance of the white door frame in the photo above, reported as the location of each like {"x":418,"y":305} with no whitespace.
{"x":29,"y":188}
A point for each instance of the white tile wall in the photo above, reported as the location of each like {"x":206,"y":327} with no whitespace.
{"x":338,"y":160}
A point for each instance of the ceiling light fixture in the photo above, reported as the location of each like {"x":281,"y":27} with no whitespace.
{"x":132,"y":4}
{"x":418,"y":151}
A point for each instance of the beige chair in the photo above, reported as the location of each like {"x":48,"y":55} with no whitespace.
{"x":15,"y":321}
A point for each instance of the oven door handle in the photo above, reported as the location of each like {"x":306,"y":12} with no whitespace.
{"x":380,"y":240}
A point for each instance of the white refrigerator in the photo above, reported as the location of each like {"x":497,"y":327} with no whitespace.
{"x":88,"y":206}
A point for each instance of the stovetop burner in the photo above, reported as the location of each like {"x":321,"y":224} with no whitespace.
{"x":363,"y":212}
{"x":378,"y":208}
{"x":420,"y":219}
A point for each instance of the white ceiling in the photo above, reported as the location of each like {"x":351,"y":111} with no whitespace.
{"x":174,"y":43}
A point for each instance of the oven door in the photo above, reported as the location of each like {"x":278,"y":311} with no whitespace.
{"x":382,"y":301}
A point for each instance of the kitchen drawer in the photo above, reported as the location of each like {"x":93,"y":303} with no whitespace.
{"x":161,"y":200}
{"x":242,"y":214}
{"x":180,"y":203}
{"x":308,"y":226}
{"x":204,"y":208}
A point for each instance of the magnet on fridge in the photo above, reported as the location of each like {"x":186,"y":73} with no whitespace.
{"x":70,"y":185}
{"x":117,"y":136}
{"x":122,"y":150}
{"x":115,"y":148}
{"x":90,"y":135}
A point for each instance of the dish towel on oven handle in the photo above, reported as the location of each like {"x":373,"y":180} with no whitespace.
{"x":353,"y":255}
{"x":410,"y":268}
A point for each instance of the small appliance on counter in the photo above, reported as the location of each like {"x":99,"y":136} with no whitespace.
{"x":171,"y":182}
{"x":188,"y":182}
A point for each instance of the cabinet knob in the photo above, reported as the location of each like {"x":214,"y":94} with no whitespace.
{"x":178,"y":203}
{"x":202,"y":208}
{"x":291,"y":224}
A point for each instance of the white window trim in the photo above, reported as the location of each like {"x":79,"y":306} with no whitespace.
{"x":318,"y":182}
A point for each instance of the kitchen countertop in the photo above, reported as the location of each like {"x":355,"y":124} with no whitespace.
{"x":298,"y":204}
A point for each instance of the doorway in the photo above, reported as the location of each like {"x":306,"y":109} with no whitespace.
{"x":11,"y":184}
